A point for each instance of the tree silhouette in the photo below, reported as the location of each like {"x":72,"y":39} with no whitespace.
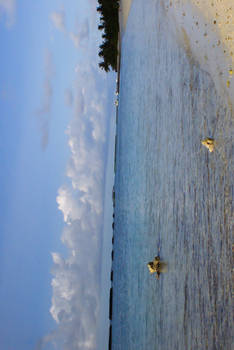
{"x":109,"y":24}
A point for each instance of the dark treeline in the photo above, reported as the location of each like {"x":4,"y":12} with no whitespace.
{"x":109,"y":24}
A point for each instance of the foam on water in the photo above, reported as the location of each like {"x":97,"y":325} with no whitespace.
{"x":172,"y":195}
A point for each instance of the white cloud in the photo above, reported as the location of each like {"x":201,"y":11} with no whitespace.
{"x":58,"y":20}
{"x":75,"y":301}
{"x":8,"y":8}
{"x":73,"y":204}
{"x":76,"y":279}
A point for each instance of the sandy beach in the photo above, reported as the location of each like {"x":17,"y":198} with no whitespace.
{"x":125,"y":6}
{"x":206,"y":30}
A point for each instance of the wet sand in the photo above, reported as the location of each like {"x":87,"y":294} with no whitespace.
{"x":125,"y":6}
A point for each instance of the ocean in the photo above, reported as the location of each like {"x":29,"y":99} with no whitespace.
{"x":172,"y":196}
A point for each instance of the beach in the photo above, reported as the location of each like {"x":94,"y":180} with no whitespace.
{"x":172,"y":196}
{"x":124,"y":9}
{"x":206,"y":30}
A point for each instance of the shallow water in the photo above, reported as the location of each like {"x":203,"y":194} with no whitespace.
{"x":172,"y":195}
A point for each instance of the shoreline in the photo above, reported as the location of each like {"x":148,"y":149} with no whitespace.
{"x":122,"y":27}
{"x":120,"y":40}
{"x":124,"y":9}
{"x":205,"y":30}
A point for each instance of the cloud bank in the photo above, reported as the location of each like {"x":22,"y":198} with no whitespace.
{"x":76,"y":279}
{"x":7,"y":9}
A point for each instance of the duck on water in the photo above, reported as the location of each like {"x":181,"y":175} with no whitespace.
{"x":156,"y":266}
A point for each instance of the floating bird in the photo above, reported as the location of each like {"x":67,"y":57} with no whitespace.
{"x":208,"y":143}
{"x":155,"y":266}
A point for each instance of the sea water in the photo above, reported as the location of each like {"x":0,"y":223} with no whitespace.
{"x":172,"y":197}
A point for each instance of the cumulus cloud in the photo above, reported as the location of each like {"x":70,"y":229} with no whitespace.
{"x":43,"y":112}
{"x":76,"y":279}
{"x":8,"y":8}
{"x":58,"y":20}
{"x":71,"y":207}
{"x":75,"y":302}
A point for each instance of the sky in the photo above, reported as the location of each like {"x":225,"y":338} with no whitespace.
{"x":56,"y":155}
{"x":57,"y":112}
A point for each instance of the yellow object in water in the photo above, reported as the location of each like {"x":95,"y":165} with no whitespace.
{"x":228,"y":83}
{"x":230,"y":71}
{"x":208,"y":143}
{"x":155,"y":266}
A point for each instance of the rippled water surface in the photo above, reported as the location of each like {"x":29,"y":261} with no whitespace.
{"x":172,"y":195}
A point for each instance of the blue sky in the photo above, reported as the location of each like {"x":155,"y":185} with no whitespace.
{"x":53,"y":146}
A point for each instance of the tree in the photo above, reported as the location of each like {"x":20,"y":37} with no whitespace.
{"x":109,"y":18}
